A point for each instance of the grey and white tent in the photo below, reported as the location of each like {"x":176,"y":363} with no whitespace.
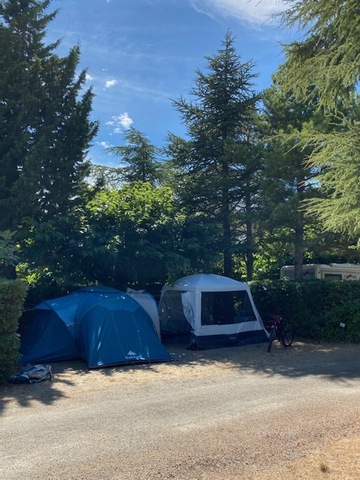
{"x":148,"y":302}
{"x":212,"y":310}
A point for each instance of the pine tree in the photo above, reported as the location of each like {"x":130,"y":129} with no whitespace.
{"x":287,"y":179}
{"x":218,"y":162}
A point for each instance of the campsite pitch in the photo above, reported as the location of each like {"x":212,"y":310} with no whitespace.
{"x":231,"y":413}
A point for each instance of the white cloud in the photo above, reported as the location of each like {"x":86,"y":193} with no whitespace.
{"x":120,"y":122}
{"x":105,"y":145}
{"x":111,"y":83}
{"x":250,"y":11}
{"x":88,"y":77}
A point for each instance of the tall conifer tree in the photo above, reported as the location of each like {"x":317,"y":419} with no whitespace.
{"x":45,"y":127}
{"x":218,"y":163}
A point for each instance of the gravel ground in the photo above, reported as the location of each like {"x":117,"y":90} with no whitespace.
{"x":235,"y":413}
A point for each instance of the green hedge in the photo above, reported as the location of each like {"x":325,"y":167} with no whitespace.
{"x":12,"y":296}
{"x":315,"y":308}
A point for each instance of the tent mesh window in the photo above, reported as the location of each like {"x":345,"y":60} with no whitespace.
{"x":226,"y":308}
{"x":172,"y":316}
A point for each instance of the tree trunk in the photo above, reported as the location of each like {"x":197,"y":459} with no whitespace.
{"x":226,"y":223}
{"x":249,"y":240}
{"x":299,"y":236}
{"x":228,"y":265}
{"x":299,"y":252}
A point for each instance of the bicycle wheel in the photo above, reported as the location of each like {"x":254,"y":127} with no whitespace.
{"x":272,"y":337}
{"x":287,"y":336}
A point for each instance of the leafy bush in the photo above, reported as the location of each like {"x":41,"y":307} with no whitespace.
{"x":343,"y":322}
{"x":12,"y":296}
{"x":315,"y":308}
{"x":8,"y":256}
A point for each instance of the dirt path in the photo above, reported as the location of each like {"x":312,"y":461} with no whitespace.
{"x":236,"y":413}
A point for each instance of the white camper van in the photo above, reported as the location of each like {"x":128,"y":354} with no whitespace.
{"x":333,"y":271}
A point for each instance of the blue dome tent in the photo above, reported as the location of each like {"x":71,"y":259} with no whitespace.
{"x":47,"y":333}
{"x":101,"y":325}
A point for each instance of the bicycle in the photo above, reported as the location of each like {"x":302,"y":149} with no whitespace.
{"x":279,"y":330}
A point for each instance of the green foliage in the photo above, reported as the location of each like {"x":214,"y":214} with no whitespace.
{"x":12,"y":295}
{"x":315,"y":308}
{"x":105,"y":177}
{"x":301,"y":153}
{"x":328,"y":57}
{"x":139,"y":158}
{"x":51,"y":250}
{"x":137,"y":235}
{"x":279,"y":297}
{"x":324,"y":68}
{"x":347,"y":315}
{"x":338,"y":154}
{"x":45,"y":130}
{"x":8,"y":254}
{"x":286,"y":180}
{"x":7,"y":249}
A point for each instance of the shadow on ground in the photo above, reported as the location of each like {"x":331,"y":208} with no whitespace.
{"x":337,"y":362}
{"x":46,"y":392}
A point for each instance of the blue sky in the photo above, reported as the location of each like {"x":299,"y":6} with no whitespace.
{"x":142,"y":54}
